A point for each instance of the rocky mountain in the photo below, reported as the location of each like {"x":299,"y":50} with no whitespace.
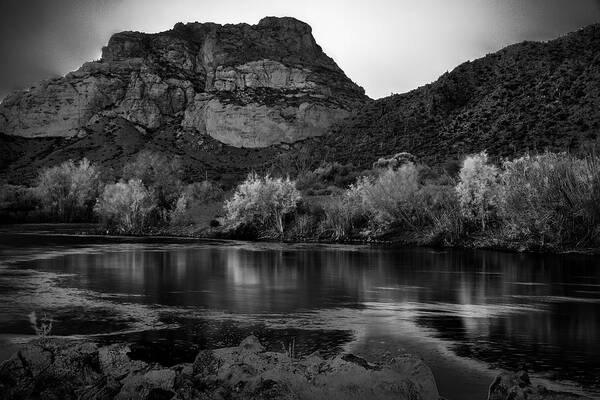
{"x":530,"y":96}
{"x":246,"y":86}
{"x":233,"y":98}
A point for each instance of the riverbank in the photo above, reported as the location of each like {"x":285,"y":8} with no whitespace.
{"x":86,"y":231}
{"x":546,"y":203}
{"x":57,"y":368}
{"x":50,"y":368}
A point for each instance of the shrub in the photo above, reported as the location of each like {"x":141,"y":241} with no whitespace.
{"x":17,"y":202}
{"x":478,"y":189}
{"x":203,"y":192}
{"x":326,"y":177}
{"x":262,"y":202}
{"x":390,"y":198}
{"x":441,"y":214}
{"x":68,"y":191}
{"x":452,"y":168}
{"x":551,"y":199}
{"x":397,"y":199}
{"x":193,"y":202}
{"x":342,"y":214}
{"x":126,"y":207}
{"x":296,"y":162}
{"x":305,"y":226}
{"x":337,"y":223}
{"x":160,"y":173}
{"x":395,"y":161}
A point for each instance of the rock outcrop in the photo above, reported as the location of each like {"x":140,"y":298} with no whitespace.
{"x":247,"y":86}
{"x":62,"y":370}
{"x":517,"y":386}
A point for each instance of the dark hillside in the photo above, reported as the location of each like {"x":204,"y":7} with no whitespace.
{"x":115,"y":145}
{"x":527,"y":97}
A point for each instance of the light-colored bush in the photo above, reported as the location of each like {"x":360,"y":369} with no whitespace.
{"x":68,"y":191}
{"x":262,"y":202}
{"x":126,"y":207}
{"x":390,"y":197}
{"x":477,"y":189}
{"x":551,"y":199}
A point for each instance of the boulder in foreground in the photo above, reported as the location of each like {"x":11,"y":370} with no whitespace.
{"x":53,"y":369}
{"x":517,"y":386}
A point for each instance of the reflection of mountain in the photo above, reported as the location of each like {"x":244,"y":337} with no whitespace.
{"x":502,"y":308}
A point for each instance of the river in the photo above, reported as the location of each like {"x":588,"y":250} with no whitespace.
{"x":468,"y":314}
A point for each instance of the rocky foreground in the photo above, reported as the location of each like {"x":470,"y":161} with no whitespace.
{"x":59,"y":369}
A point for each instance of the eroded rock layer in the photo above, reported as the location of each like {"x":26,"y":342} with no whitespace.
{"x":246,"y":86}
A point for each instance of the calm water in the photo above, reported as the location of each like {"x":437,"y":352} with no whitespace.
{"x":467,"y":313}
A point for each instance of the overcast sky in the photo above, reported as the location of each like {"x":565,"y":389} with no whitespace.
{"x":383,"y":45}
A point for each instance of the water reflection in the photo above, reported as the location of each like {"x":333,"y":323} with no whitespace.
{"x":507,"y":310}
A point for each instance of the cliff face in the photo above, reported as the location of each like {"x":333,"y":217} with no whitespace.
{"x":246,"y":86}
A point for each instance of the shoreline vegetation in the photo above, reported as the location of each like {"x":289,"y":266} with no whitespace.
{"x":548,"y":202}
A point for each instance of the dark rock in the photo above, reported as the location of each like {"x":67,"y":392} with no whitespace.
{"x":142,"y":386}
{"x":50,"y":369}
{"x":517,"y":386}
{"x":251,"y":344}
{"x":360,"y":361}
{"x":206,"y":363}
{"x":115,"y":362}
{"x":159,"y":394}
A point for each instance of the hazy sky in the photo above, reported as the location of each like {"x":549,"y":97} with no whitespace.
{"x":383,"y":45}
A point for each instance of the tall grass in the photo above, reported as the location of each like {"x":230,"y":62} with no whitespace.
{"x":342,"y":214}
{"x":551,"y":200}
{"x":390,"y":198}
{"x":442,"y":222}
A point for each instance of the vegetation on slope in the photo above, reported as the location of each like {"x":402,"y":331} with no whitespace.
{"x":530,"y":96}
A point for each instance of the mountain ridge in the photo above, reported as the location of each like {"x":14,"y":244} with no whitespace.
{"x":529,"y":96}
{"x":246,"y":85}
